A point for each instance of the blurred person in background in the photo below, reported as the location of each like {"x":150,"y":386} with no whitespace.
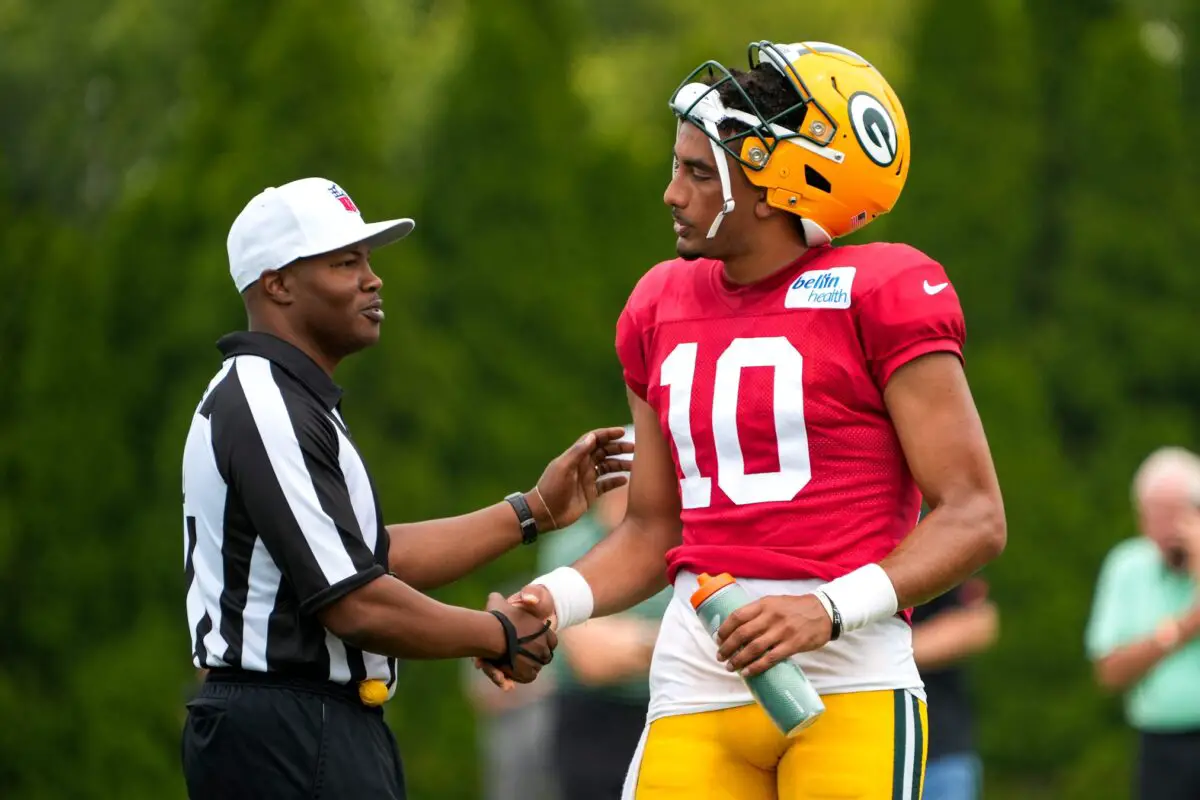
{"x":603,"y":669}
{"x":946,"y":632}
{"x":514,"y":731}
{"x":1145,"y":622}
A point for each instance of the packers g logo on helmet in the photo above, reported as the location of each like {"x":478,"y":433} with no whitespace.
{"x":844,"y":166}
{"x":874,"y":128}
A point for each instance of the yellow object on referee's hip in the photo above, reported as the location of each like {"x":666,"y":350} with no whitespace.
{"x":372,"y":692}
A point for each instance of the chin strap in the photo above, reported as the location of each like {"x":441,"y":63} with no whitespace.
{"x":700,"y":104}
{"x":714,"y":136}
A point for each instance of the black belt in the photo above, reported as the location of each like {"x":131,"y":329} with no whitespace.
{"x":280,"y":680}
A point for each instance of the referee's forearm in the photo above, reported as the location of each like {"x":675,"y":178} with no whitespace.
{"x":392,"y":619}
{"x":430,"y":554}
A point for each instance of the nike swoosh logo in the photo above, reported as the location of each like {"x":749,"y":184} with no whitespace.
{"x":935,"y":288}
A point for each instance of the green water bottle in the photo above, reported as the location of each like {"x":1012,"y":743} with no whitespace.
{"x":783,"y":691}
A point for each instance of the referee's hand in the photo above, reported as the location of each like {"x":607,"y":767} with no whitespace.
{"x":596,"y":463}
{"x":535,"y":653}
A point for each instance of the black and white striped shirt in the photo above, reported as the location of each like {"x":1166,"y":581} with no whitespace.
{"x":281,"y":518}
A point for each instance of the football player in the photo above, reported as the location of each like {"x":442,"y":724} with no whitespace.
{"x":793,"y":402}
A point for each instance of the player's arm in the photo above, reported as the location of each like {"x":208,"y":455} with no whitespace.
{"x":943,"y":441}
{"x":432,"y":553}
{"x":947,"y":452}
{"x":603,"y":650}
{"x":628,"y":566}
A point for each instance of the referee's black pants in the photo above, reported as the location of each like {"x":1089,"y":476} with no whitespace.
{"x":251,"y":735}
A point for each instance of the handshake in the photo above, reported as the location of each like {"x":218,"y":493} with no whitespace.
{"x":596,"y":464}
{"x":528,"y":621}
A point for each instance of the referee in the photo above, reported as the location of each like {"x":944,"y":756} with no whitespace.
{"x":299,"y":598}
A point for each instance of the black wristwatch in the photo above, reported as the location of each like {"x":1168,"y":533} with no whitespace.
{"x":529,"y":528}
{"x":835,"y":630}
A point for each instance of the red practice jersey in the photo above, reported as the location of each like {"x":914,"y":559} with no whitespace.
{"x":771,"y":396}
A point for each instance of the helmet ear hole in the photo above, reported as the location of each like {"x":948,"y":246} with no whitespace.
{"x":816,"y":179}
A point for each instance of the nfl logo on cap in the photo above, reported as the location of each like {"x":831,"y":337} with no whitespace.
{"x":343,"y":198}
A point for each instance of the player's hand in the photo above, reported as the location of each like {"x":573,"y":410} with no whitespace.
{"x":536,"y":600}
{"x":569,"y":484}
{"x":759,"y":635}
{"x":540,"y":649}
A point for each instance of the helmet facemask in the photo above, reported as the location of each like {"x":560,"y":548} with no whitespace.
{"x":698,"y":101}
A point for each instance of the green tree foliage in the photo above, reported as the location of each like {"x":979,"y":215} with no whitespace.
{"x":972,"y":108}
{"x":89,"y":94}
{"x":1120,"y":370}
{"x":1063,"y":237}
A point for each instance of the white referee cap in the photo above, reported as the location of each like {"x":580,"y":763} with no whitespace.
{"x":303,"y":218}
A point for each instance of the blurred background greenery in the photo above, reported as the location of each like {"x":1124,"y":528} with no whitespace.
{"x":1053,"y":175}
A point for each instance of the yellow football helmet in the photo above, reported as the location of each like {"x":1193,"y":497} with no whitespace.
{"x":845,"y":166}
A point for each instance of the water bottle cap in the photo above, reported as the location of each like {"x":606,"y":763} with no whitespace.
{"x":710,"y":585}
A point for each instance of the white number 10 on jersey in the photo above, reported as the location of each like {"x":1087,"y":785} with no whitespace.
{"x":795,"y":470}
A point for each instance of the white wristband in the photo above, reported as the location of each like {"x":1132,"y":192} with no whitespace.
{"x":864,"y":596}
{"x":573,"y":600}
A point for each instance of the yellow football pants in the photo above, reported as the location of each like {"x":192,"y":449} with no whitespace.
{"x":866,"y":746}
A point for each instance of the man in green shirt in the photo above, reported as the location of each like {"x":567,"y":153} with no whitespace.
{"x":602,"y":669}
{"x":1144,"y":633}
